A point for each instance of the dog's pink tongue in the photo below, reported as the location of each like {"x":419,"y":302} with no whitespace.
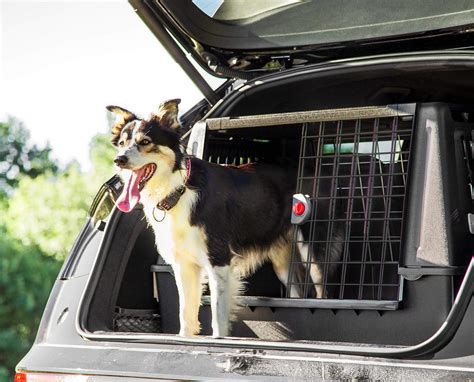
{"x":130,"y":195}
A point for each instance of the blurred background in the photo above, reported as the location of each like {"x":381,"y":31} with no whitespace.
{"x":61,"y":63}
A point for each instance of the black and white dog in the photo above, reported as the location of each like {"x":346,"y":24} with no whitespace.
{"x":222,"y":222}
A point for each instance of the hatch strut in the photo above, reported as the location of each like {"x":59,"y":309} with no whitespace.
{"x":174,"y":50}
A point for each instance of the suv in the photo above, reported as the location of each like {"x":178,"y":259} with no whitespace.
{"x":375,"y":103}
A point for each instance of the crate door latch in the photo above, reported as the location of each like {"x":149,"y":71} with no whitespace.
{"x":301,"y":209}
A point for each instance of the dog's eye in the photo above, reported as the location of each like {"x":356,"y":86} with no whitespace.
{"x":144,"y":142}
{"x":121,"y":143}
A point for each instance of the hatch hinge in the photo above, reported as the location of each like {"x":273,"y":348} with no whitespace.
{"x":224,"y":70}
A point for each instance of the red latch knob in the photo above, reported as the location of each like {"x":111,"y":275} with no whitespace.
{"x":298,"y":208}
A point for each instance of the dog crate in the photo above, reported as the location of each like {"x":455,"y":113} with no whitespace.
{"x":387,"y":188}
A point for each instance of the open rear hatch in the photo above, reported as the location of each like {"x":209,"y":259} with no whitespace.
{"x":245,"y":38}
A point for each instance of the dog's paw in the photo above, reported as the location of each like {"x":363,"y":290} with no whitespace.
{"x":183,"y":333}
{"x":220,"y":332}
{"x":190,"y":330}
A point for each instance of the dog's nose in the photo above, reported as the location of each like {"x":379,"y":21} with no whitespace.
{"x":121,"y":160}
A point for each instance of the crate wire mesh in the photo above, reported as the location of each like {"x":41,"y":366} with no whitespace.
{"x":239,"y":152}
{"x":355,"y":172}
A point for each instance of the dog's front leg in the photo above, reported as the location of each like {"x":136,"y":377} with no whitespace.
{"x":188,"y":281}
{"x":221,"y":299}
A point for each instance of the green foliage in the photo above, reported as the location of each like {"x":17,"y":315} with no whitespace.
{"x":42,"y":210}
{"x":19,"y":157}
{"x":26,"y":277}
{"x":48,"y":211}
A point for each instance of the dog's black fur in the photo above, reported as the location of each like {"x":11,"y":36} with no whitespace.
{"x":245,"y":207}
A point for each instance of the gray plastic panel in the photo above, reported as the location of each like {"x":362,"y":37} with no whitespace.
{"x":437,"y":232}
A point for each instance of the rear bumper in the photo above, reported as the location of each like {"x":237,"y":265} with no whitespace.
{"x":138,"y":361}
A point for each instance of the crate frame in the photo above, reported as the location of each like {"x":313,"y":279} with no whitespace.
{"x":399,"y":112}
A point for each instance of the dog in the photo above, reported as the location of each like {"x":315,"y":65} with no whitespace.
{"x":210,"y":220}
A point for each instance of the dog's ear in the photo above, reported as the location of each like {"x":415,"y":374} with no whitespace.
{"x":122,"y":117}
{"x":167,"y":113}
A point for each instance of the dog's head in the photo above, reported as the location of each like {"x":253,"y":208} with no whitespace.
{"x":145,"y":147}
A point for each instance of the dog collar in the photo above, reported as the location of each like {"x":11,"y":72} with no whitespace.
{"x":173,"y":198}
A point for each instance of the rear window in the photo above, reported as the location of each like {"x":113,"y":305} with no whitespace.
{"x":246,"y":24}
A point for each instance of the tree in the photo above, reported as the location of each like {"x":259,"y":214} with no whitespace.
{"x":26,"y":278}
{"x":48,"y":211}
{"x":19,"y":157}
{"x":45,"y":211}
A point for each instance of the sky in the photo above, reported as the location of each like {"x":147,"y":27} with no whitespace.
{"x":62,"y":62}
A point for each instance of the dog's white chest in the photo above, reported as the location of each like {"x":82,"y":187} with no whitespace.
{"x":176,"y":239}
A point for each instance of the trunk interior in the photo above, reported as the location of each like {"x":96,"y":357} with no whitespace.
{"x":385,"y":290}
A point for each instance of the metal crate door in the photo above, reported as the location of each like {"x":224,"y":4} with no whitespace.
{"x":354,"y":173}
